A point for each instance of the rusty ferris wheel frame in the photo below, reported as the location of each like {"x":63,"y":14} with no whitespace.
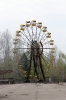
{"x":37,"y":39}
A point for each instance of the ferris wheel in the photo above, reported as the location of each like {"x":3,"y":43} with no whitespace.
{"x":35,"y":41}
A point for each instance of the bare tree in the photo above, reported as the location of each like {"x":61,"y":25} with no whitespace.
{"x":6,"y":50}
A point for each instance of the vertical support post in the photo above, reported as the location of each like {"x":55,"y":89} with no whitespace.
{"x":35,"y":66}
{"x":41,"y":68}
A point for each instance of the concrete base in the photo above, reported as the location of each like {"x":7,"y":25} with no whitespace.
{"x":33,"y":91}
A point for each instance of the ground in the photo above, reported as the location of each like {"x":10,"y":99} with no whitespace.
{"x":33,"y":91}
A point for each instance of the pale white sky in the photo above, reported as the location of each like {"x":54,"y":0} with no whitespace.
{"x":52,"y":13}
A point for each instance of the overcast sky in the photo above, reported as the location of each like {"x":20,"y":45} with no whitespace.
{"x":52,"y":13}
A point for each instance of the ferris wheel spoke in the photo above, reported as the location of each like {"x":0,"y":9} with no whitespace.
{"x":26,"y":36}
{"x":32,"y":33}
{"x":23,"y":41}
{"x":27,"y":43}
{"x":46,"y":62}
{"x":43,"y":38}
{"x":39,"y":34}
{"x":29,"y":33}
{"x":43,"y":35}
{"x":46,"y":56}
{"x":46,"y":53}
{"x":35,"y":36}
{"x":46,"y":43}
